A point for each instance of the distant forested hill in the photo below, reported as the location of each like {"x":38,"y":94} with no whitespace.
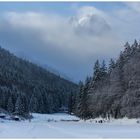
{"x":114,"y":90}
{"x":26,"y":87}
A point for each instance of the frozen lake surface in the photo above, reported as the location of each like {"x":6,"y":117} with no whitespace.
{"x":66,"y":126}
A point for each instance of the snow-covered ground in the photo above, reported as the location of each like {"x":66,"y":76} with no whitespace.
{"x":66,"y":126}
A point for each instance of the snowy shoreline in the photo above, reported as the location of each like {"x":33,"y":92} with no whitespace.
{"x":54,"y":126}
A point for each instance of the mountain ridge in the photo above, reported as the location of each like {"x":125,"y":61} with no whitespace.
{"x":26,"y":87}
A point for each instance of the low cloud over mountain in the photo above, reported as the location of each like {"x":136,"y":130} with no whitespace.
{"x":69,"y":44}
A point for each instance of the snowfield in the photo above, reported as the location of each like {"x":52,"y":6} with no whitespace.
{"x":67,"y":126}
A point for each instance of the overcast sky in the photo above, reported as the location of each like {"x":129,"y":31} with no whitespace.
{"x":43,"y":33}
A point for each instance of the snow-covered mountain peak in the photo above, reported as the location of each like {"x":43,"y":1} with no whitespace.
{"x":90,"y":23}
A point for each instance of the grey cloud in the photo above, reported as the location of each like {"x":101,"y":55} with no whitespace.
{"x":50,"y":39}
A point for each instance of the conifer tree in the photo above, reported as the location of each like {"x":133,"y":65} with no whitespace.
{"x":96,"y":75}
{"x":33,"y":105}
{"x":103,"y":70}
{"x":84,"y":106}
{"x":10,"y":105}
{"x":111,"y":65}
{"x":70,"y":104}
{"x":79,"y":98}
{"x":20,"y":106}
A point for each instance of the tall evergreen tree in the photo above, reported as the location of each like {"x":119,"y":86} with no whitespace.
{"x":96,"y":73}
{"x":84,"y":105}
{"x":127,"y":50}
{"x":33,"y":105}
{"x":79,"y":99}
{"x":103,"y":70}
{"x":20,"y":108}
{"x":10,"y":105}
{"x":70,"y":104}
{"x":111,"y":65}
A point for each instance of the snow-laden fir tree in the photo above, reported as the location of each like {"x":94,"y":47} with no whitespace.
{"x":20,"y":108}
{"x":118,"y":93}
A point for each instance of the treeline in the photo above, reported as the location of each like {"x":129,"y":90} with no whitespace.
{"x":113,"y":90}
{"x":26,"y":87}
